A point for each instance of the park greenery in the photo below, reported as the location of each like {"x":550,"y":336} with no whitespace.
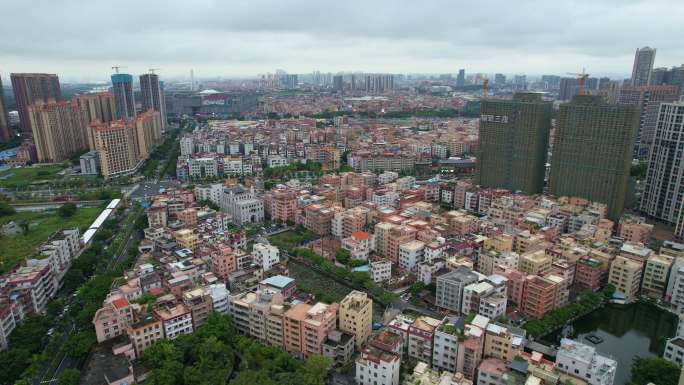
{"x":584,"y":304}
{"x":24,"y":176}
{"x":216,"y":354}
{"x":36,"y":228}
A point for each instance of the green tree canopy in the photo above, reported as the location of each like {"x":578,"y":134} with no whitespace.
{"x":67,"y":210}
{"x":656,"y":370}
{"x":69,"y":377}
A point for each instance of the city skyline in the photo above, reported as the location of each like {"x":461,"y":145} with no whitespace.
{"x":439,"y":37}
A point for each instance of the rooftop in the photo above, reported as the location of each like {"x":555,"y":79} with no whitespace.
{"x":577,"y":350}
{"x":279,"y":281}
{"x":678,"y":341}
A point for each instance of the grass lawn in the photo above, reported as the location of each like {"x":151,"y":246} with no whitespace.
{"x":14,"y":248}
{"x":24,"y":176}
{"x":325,"y":289}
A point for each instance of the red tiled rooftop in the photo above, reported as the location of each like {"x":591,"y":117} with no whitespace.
{"x":361,"y":235}
{"x":120,"y":303}
{"x":156,"y":291}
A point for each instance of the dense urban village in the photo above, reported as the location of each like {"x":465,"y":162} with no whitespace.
{"x":351,"y":228}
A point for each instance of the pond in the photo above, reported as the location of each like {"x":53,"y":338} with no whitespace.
{"x":627,"y":331}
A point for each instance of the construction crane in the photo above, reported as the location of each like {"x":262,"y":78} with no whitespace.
{"x":116,"y":68}
{"x":485,"y":87}
{"x":153,"y":69}
{"x":582,"y":78}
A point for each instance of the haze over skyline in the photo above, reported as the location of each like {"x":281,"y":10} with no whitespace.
{"x":81,"y":40}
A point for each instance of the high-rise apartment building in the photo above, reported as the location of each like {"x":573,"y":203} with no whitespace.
{"x":569,"y":87}
{"x":4,"y":119}
{"x":148,"y":130}
{"x":152,"y":95}
{"x":592,"y":152}
{"x":338,"y":83}
{"x":664,"y":187}
{"x":122,"y":87}
{"x":122,"y":144}
{"x":647,"y":99}
{"x":289,"y":81}
{"x":460,"y":79}
{"x":58,"y":130}
{"x":499,"y":79}
{"x":514,"y":135}
{"x":115,"y":145}
{"x":95,"y":108}
{"x":31,"y":88}
{"x":673,"y":76}
{"x":643,"y":66}
{"x":379,"y":83}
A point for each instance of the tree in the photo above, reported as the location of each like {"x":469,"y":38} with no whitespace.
{"x":78,"y":346}
{"x":12,"y":363}
{"x":655,"y":370}
{"x":69,"y":377}
{"x":416,"y":288}
{"x":248,"y":377}
{"x":342,"y":256}
{"x":67,"y":210}
{"x":165,"y":362}
{"x":213,"y":364}
{"x":6,"y":209}
{"x":208,"y":203}
{"x":25,"y":227}
{"x":608,"y":291}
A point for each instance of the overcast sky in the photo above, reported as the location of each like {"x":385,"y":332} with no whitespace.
{"x":82,"y":39}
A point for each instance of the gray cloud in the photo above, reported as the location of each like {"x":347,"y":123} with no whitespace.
{"x":82,"y":39}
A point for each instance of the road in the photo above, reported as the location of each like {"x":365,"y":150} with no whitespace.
{"x":402,"y":305}
{"x":149,"y":188}
{"x":67,"y":362}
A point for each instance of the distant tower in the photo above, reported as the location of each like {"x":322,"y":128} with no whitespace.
{"x":122,"y":85}
{"x":153,"y":96}
{"x":30,"y":89}
{"x":4,"y":119}
{"x":643,"y":66}
{"x":192,"y":80}
{"x":460,"y":80}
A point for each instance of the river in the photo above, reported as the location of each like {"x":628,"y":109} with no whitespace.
{"x":627,"y":331}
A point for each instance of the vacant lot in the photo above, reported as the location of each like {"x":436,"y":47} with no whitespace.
{"x":24,"y":176}
{"x":324,"y":288}
{"x":291,"y":239}
{"x":14,"y":248}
